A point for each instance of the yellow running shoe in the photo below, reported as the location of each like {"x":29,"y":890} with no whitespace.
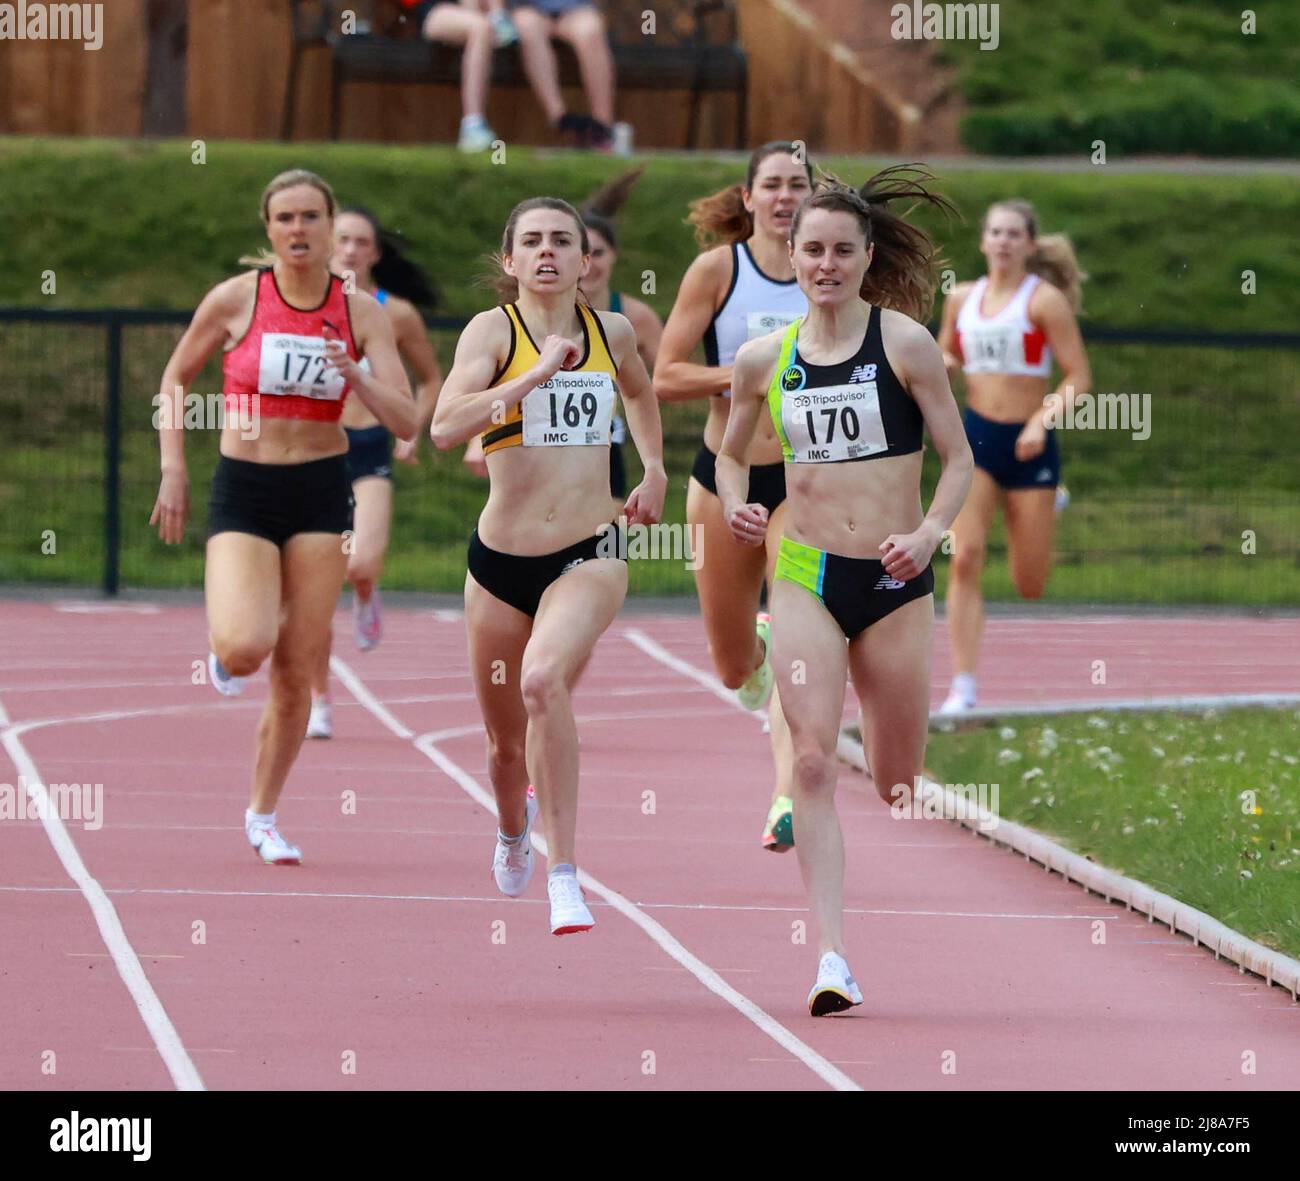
{"x":778,"y":836}
{"x":757,"y":691}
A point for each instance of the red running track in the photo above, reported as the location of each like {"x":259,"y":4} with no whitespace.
{"x":389,"y":961}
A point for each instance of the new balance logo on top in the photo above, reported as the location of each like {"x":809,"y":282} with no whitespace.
{"x":889,"y":583}
{"x":863,"y":373}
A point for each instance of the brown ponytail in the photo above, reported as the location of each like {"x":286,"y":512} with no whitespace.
{"x":1054,"y":260}
{"x":902,"y":271}
{"x":721,"y":218}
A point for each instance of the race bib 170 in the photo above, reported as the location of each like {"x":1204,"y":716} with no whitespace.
{"x":570,"y":410}
{"x":296,"y":365}
{"x":835,"y":423}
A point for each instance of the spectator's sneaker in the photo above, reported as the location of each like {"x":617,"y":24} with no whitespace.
{"x":600,"y":136}
{"x":835,"y":990}
{"x":778,"y":835}
{"x":757,"y":691}
{"x":503,"y":29}
{"x":572,"y":130}
{"x":222,"y":681}
{"x":513,"y":862}
{"x":320,"y":724}
{"x":475,"y":137}
{"x":569,"y":913}
{"x":367,"y":627}
{"x":271,"y":846}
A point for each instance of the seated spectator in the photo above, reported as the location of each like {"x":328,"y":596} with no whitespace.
{"x":478,"y":25}
{"x":580,"y":24}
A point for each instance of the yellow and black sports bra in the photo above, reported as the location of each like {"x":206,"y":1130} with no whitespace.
{"x":574,"y":409}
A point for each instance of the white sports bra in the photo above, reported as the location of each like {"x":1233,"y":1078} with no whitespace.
{"x":755,"y":306}
{"x":1006,"y":343}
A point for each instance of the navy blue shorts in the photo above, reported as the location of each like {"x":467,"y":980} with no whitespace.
{"x":994,"y":447}
{"x":370,"y":453}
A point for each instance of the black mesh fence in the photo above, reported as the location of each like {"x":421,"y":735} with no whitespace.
{"x":1180,"y":468}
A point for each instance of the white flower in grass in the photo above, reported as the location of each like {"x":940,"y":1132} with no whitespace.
{"x":1006,"y":733}
{"x":1151,"y":820}
{"x":1187,"y":760}
{"x":1008,"y":756}
{"x":1032,"y":773}
{"x":1158,"y":751}
{"x":1128,"y":830}
{"x":1050,"y":801}
{"x":1291,"y":759}
{"x":1245,"y":873}
{"x":1097,"y":722}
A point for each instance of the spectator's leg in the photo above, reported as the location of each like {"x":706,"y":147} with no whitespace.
{"x":584,"y":29}
{"x":459,"y":26}
{"x":540,"y":66}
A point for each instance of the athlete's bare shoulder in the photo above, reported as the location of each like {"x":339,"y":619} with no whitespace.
{"x":756,"y":359}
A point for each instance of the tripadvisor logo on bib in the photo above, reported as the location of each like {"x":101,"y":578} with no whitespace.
{"x":793,"y":378}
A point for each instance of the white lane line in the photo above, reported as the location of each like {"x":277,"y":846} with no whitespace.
{"x":496,"y":898}
{"x":711,"y":683}
{"x":824,"y":1069}
{"x":165,"y":1038}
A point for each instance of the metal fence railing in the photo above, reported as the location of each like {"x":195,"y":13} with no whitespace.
{"x":1196,"y":501}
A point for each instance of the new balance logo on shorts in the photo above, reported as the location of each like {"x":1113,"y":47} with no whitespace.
{"x":570,"y":565}
{"x":887,"y":582}
{"x":1044,"y":474}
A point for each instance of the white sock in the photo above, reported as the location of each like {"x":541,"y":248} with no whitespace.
{"x":472,"y":122}
{"x":564,"y":868}
{"x":963,"y":687}
{"x":256,"y":820}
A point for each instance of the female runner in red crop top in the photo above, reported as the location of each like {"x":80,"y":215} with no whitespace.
{"x":281,"y":499}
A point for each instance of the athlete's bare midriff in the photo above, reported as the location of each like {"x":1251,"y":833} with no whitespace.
{"x":765,"y":448}
{"x":850,"y":508}
{"x":282,"y":440}
{"x":544,"y":499}
{"x":1005,"y":397}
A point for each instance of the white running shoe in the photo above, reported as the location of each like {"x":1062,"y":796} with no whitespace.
{"x":222,"y":681}
{"x":569,"y":913}
{"x":1062,"y":499}
{"x":955,"y":703}
{"x":512,"y":865}
{"x":835,"y":990}
{"x":367,"y":627}
{"x":321,"y":722}
{"x":477,"y":138}
{"x":756,"y":692}
{"x":271,"y":846}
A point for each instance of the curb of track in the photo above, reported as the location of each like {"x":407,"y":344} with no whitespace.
{"x":1274,"y":967}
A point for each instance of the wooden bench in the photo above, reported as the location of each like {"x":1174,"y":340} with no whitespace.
{"x":695,"y":47}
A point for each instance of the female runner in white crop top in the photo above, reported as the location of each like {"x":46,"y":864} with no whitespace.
{"x":1002,"y":332}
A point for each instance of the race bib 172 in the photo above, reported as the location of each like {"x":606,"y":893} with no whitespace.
{"x":296,"y":365}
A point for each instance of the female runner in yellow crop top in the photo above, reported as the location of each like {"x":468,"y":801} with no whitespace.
{"x":546,"y":575}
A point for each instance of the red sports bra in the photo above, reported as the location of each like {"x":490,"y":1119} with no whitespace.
{"x":278,"y":368}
